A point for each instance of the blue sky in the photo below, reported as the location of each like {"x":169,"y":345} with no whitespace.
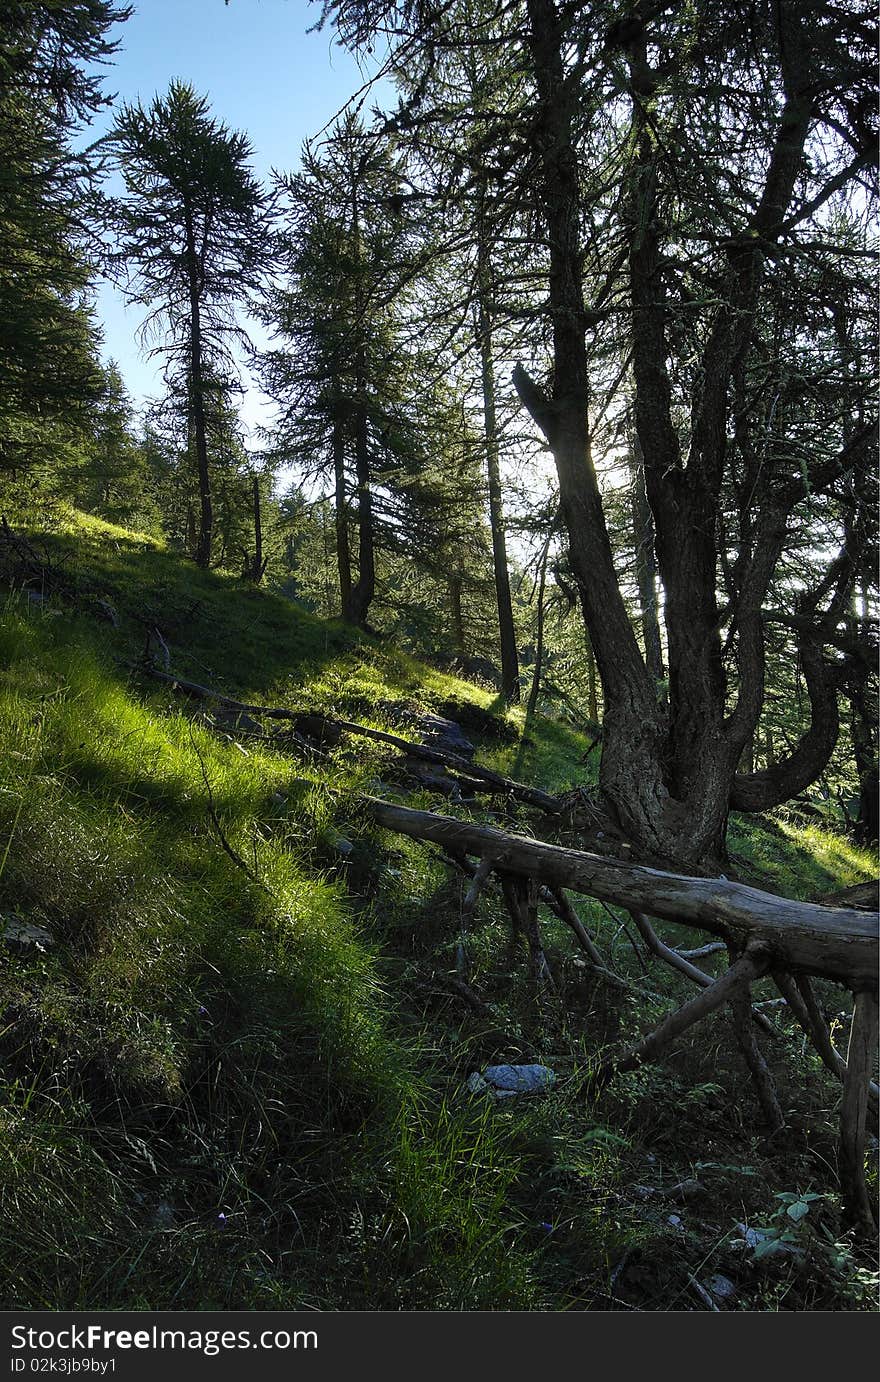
{"x":263,"y":73}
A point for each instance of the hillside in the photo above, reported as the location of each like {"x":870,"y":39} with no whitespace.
{"x":235,"y":1049}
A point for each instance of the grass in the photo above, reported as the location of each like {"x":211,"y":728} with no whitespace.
{"x":235,"y":1079}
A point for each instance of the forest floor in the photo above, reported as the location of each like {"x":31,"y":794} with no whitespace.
{"x":234,"y":1055}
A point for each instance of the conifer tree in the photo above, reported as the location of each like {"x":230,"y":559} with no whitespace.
{"x":194,"y":236}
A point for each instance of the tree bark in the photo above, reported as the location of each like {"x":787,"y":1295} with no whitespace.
{"x":630,"y":774}
{"x":539,"y":637}
{"x":364,"y":588}
{"x":732,"y":985}
{"x":859,"y":1066}
{"x":258,"y":566}
{"x":646,"y":562}
{"x":197,"y":389}
{"x":802,"y":937}
{"x":454,"y":586}
{"x":340,"y":506}
{"x":506,"y":629}
{"x":361,"y":592}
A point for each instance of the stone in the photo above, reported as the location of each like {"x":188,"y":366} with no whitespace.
{"x":446,"y":735}
{"x":23,"y":936}
{"x":339,"y":843}
{"x":163,"y":1215}
{"x":721,"y":1287}
{"x":519,"y":1079}
{"x":754,"y":1237}
{"x":237,"y":720}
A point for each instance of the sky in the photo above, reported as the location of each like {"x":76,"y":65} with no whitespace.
{"x":263,"y":73}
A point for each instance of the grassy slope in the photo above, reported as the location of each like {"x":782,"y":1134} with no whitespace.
{"x":235,"y":1078}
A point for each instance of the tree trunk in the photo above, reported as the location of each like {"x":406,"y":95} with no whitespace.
{"x":362,"y":592}
{"x":668,"y":777}
{"x":539,"y":639}
{"x":646,"y":562}
{"x":258,"y":567}
{"x":506,"y":630}
{"x":454,"y":585}
{"x":343,"y":555}
{"x":197,"y":402}
{"x":592,"y":690}
{"x":631,"y":774}
{"x":802,"y":937}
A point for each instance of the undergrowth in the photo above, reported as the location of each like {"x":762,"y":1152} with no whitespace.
{"x":233,"y":1062}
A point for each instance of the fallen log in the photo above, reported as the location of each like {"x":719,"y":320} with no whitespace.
{"x":735,"y":981}
{"x":802,"y":937}
{"x":475,"y":772}
{"x":858,"y":1203}
{"x":769,"y":934}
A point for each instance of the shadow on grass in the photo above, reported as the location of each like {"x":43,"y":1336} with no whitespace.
{"x":265,"y":637}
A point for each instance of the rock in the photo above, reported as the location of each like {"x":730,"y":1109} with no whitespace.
{"x":318,"y":729}
{"x":752,"y":1236}
{"x":23,"y":937}
{"x":36,"y":598}
{"x":721,"y":1287}
{"x":475,"y":1084}
{"x":644,"y":1192}
{"x":519,"y":1079}
{"x":341,"y":844}
{"x":674,"y":1221}
{"x":446,"y":735}
{"x":479,"y":669}
{"x":434,"y":777}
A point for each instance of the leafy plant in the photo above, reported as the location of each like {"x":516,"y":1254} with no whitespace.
{"x":787,"y":1223}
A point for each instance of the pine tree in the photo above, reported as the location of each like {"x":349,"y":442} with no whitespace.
{"x":342,"y":378}
{"x":193,"y":233}
{"x":49,"y":87}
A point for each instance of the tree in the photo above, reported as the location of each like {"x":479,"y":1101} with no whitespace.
{"x":193,"y":233}
{"x":343,"y":378}
{"x":684,"y":197}
{"x":111,"y":477}
{"x":50,"y":85}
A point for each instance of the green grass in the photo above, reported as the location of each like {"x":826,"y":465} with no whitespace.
{"x":236,"y":1077}
{"x":207,"y":1032}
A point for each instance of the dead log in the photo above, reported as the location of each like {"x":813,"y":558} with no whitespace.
{"x":754,"y":962}
{"x":676,"y":960}
{"x":759,"y":1070}
{"x":521,"y":897}
{"x":800,"y":998}
{"x":561,"y":904}
{"x":851,"y":1156}
{"x":316,"y":724}
{"x":836,"y":943}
